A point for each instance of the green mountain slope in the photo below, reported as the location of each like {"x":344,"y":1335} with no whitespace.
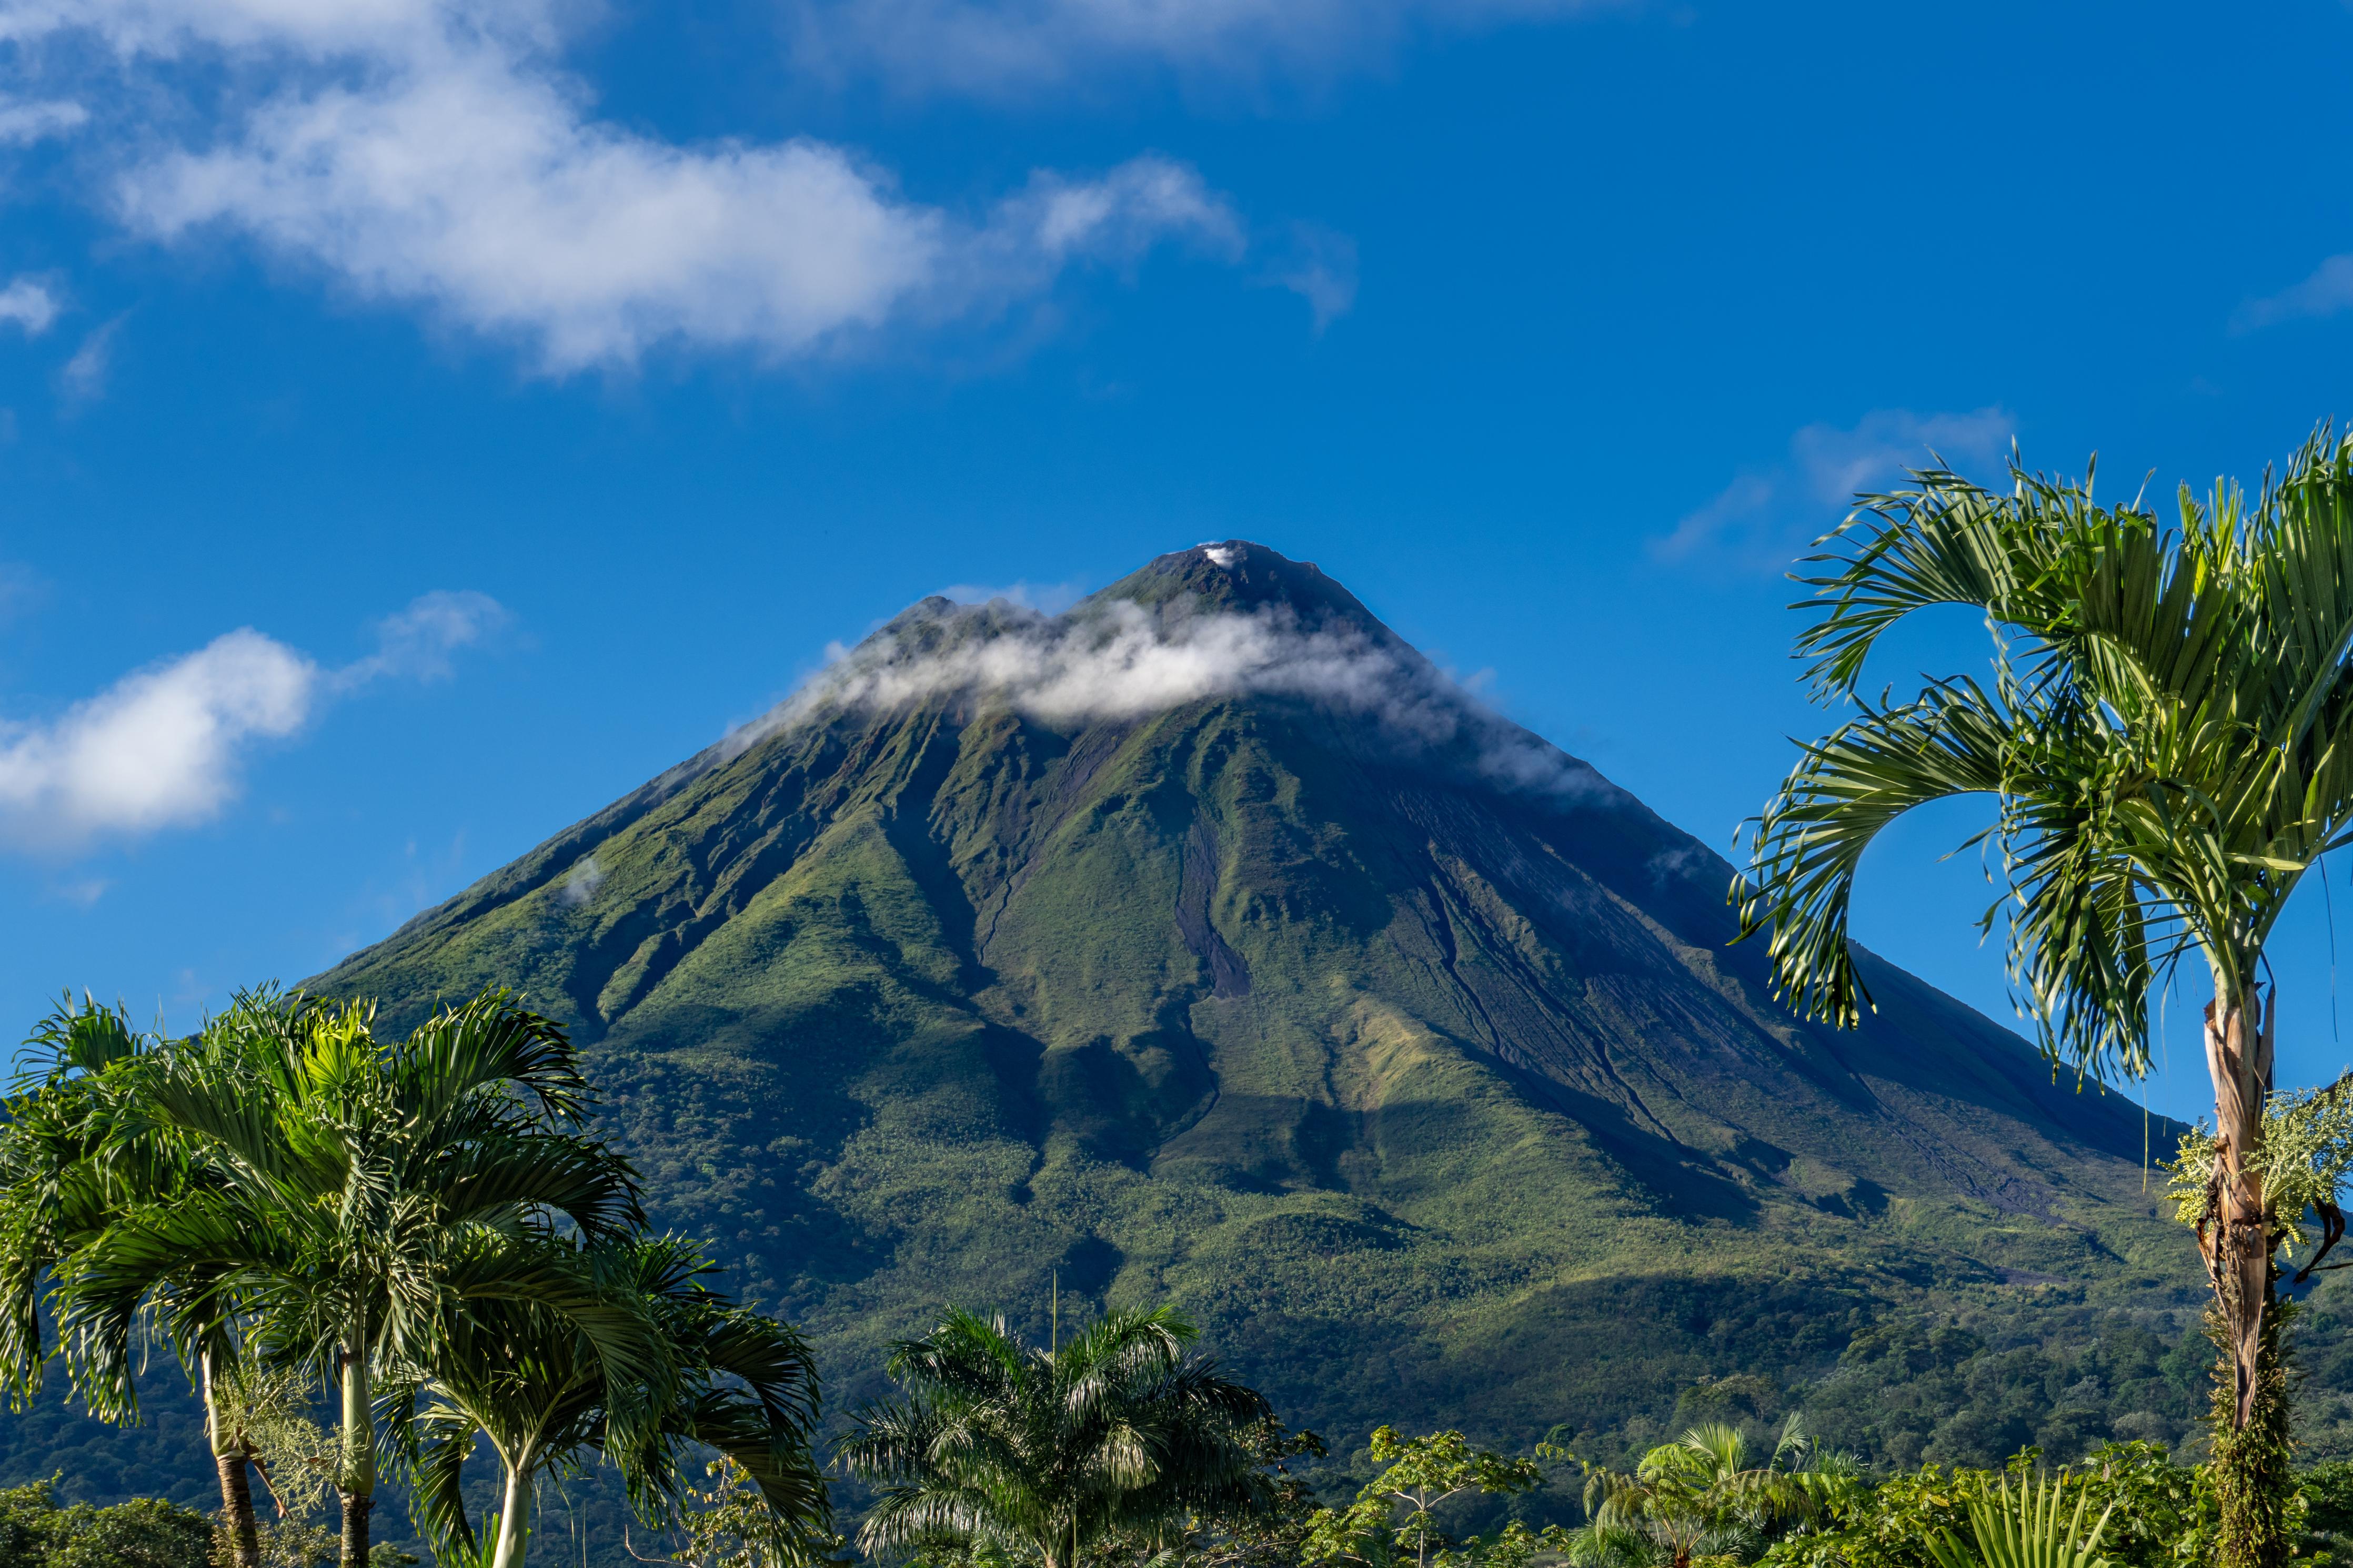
{"x":1205,"y":943}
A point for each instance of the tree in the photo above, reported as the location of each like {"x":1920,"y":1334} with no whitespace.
{"x":1000,"y":1446}
{"x":1266,"y":1533}
{"x":1392,"y":1519}
{"x":77,"y":1152}
{"x":1701,"y":1491}
{"x":527,"y":1375}
{"x":364,"y":1187}
{"x":2169,"y":736}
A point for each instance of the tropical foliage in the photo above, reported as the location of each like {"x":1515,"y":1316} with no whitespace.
{"x":1394,"y":1520}
{"x":1700,"y":1495}
{"x":2168,"y":733}
{"x":540,"y":1386}
{"x":291,"y":1203}
{"x":1039,"y":1454}
{"x":2032,"y":1530}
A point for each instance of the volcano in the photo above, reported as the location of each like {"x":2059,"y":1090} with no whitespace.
{"x":1205,"y":943}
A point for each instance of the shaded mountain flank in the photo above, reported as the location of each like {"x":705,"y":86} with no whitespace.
{"x":1207,"y":943}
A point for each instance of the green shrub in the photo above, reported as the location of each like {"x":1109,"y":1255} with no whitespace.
{"x":146,"y":1532}
{"x":2163,"y":1513}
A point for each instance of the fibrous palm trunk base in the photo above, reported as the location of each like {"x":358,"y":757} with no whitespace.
{"x":356,"y":1509}
{"x":236,"y":1511}
{"x":2253,"y":1483}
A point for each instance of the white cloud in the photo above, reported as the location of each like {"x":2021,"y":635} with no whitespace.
{"x":1762,"y":521}
{"x":164,"y":746}
{"x":28,"y":304}
{"x":481,"y":191}
{"x":1121,"y":660}
{"x":997,"y":48}
{"x":2328,"y":290}
{"x":83,"y":378}
{"x":435,"y":154}
{"x":156,"y":750}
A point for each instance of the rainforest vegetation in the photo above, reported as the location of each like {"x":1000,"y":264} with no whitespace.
{"x":398,"y":1273}
{"x":287,"y":1204}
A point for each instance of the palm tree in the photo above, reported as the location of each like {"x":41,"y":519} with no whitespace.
{"x":75,"y":1154}
{"x":1701,"y":1491}
{"x":526,"y":1375}
{"x":363,"y":1188}
{"x":1041,"y":1452}
{"x":2169,"y":736}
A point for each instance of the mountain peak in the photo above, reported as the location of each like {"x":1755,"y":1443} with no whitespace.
{"x":1205,"y":943}
{"x":1237,"y":574}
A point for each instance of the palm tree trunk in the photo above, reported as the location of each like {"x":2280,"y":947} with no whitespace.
{"x":2252,"y":1481}
{"x":2237,"y":1240}
{"x":230,"y":1456}
{"x":236,"y":1508}
{"x":357,"y":1484}
{"x":514,"y":1515}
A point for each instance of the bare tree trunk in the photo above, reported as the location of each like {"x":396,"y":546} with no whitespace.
{"x":2236,"y":1238}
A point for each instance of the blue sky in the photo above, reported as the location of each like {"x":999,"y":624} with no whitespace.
{"x":527,"y":390}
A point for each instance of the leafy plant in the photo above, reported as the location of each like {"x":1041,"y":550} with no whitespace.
{"x":2168,"y":737}
{"x":1004,"y":1446}
{"x":1392,"y":1519}
{"x":1700,"y":1495}
{"x":361,"y":1188}
{"x":2030,"y":1529}
{"x":1265,"y":1533}
{"x":530,"y":1376}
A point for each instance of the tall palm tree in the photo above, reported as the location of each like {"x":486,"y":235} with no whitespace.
{"x":1701,"y":1491}
{"x":543,"y":1390}
{"x":75,"y":1154}
{"x":2168,"y":735}
{"x":364,"y":1188}
{"x":1041,"y":1452}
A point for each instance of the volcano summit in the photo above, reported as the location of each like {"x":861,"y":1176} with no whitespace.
{"x":1207,"y":943}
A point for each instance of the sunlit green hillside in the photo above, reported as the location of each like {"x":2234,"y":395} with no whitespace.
{"x":1402,"y":1050}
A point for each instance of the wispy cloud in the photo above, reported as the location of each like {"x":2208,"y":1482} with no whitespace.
{"x":83,"y":378}
{"x":1018,"y":49}
{"x":164,"y":746}
{"x":20,"y":588}
{"x":580,"y":883}
{"x":1320,"y":267}
{"x":1122,"y":660}
{"x":417,"y":642}
{"x":23,"y":120}
{"x":1764,"y":519}
{"x":2328,"y":290}
{"x":1047,"y":598}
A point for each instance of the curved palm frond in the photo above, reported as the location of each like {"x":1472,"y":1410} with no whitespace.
{"x":2169,"y":734}
{"x":1001,"y":1443}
